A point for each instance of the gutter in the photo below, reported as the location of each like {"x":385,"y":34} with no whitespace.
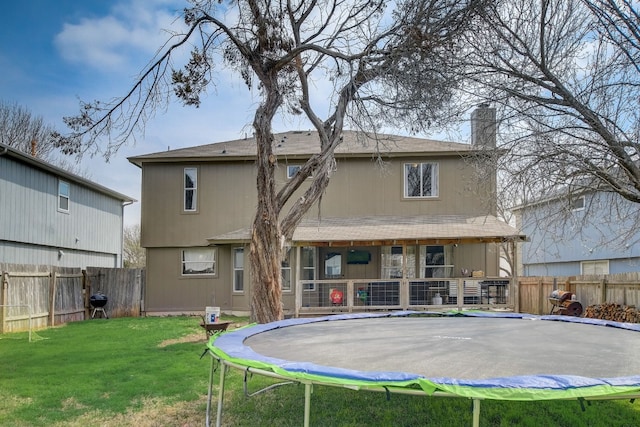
{"x":4,"y":151}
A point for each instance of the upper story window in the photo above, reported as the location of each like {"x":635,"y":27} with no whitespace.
{"x":63,"y":196}
{"x":201,"y":261}
{"x":190,"y":189}
{"x":577,"y":204}
{"x":421,"y":180}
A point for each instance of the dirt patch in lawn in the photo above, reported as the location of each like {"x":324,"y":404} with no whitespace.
{"x":153,"y":413}
{"x":197,"y":337}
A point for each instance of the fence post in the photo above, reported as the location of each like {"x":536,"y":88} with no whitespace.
{"x":86,"y":289}
{"x":52,"y":297}
{"x":540,"y":296}
{"x":603,"y":290}
{"x":4,"y":300}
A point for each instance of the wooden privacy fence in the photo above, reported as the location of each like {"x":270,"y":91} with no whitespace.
{"x":533,"y":292}
{"x":35,"y":297}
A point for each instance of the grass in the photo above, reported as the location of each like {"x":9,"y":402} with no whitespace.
{"x":148,"y":372}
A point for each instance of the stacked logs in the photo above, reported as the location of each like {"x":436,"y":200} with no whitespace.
{"x":614,"y":312}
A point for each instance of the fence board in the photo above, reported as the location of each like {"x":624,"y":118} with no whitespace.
{"x":55,"y":295}
{"x":122,"y":286}
{"x":623,"y":289}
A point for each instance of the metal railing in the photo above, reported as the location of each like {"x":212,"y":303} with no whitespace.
{"x":353,"y":295}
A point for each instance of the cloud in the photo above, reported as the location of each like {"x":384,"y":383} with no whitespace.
{"x":132,"y":29}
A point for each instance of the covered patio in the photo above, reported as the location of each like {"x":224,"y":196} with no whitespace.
{"x":428,"y":262}
{"x":435,"y":262}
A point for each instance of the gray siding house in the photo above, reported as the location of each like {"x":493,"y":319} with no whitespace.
{"x":51,"y":217}
{"x":585,"y":234}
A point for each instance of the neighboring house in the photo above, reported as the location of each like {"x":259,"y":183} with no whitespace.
{"x":383,"y":235}
{"x":52,"y":217}
{"x":579,"y":234}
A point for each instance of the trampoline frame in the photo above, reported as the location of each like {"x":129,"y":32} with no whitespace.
{"x":225,"y":361}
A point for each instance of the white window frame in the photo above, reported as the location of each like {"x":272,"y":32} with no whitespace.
{"x":433,"y":192}
{"x":199,"y":261}
{"x":238,"y":268}
{"x":292,"y":170}
{"x":577,"y":204}
{"x":285,"y":272}
{"x":593,"y":267}
{"x":62,"y":196}
{"x":309,"y":287}
{"x":442,"y":269}
{"x":193,"y":190}
{"x":392,"y":262}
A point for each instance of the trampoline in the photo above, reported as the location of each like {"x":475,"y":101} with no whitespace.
{"x":475,"y":355}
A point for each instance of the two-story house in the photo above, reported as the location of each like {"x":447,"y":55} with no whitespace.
{"x":49,"y":216}
{"x":394,"y":233}
{"x":575,"y":234}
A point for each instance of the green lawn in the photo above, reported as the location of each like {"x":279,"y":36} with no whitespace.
{"x":148,"y":372}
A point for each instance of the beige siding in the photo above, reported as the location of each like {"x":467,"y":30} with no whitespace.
{"x":226,"y":202}
{"x":168,"y":290}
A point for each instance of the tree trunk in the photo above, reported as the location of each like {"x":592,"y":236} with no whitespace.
{"x":265,"y":252}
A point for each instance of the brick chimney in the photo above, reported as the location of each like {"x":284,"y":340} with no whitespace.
{"x":483,"y":127}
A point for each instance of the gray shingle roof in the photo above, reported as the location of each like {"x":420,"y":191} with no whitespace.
{"x":389,"y":229}
{"x":305,"y":143}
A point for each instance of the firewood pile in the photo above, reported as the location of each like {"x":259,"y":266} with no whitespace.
{"x":614,"y":312}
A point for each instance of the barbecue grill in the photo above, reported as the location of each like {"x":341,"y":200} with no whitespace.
{"x":98,"y":301}
{"x":565,"y":303}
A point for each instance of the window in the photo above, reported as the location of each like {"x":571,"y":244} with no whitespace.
{"x":199,"y":261}
{"x":577,"y":204}
{"x":433,"y":261}
{"x":63,"y":196}
{"x":292,"y":170}
{"x":594,"y":267}
{"x":238,"y":269}
{"x":421,"y":180}
{"x":190,"y":189}
{"x":333,"y":265}
{"x":285,"y":271}
{"x":308,"y":267}
{"x":392,"y":262}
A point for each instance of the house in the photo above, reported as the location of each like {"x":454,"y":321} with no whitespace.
{"x":574,"y":234}
{"x":405,"y":232}
{"x":52,"y":217}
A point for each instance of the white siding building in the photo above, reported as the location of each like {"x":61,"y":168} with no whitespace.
{"x":51,"y":217}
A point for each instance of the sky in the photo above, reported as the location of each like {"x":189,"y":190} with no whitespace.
{"x":56,"y":53}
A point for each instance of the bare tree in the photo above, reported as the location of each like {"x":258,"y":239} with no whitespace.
{"x":133,"y":253}
{"x":22,"y":130}
{"x":386,"y":66}
{"x":565,"y":75}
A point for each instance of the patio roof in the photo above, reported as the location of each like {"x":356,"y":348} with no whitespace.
{"x":392,"y":230}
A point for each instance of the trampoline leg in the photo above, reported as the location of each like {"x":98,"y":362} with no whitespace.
{"x":208,"y":415}
{"x":307,"y":403}
{"x":223,"y":371}
{"x":476,"y":412}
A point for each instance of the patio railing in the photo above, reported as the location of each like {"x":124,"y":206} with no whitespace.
{"x":329,"y":296}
